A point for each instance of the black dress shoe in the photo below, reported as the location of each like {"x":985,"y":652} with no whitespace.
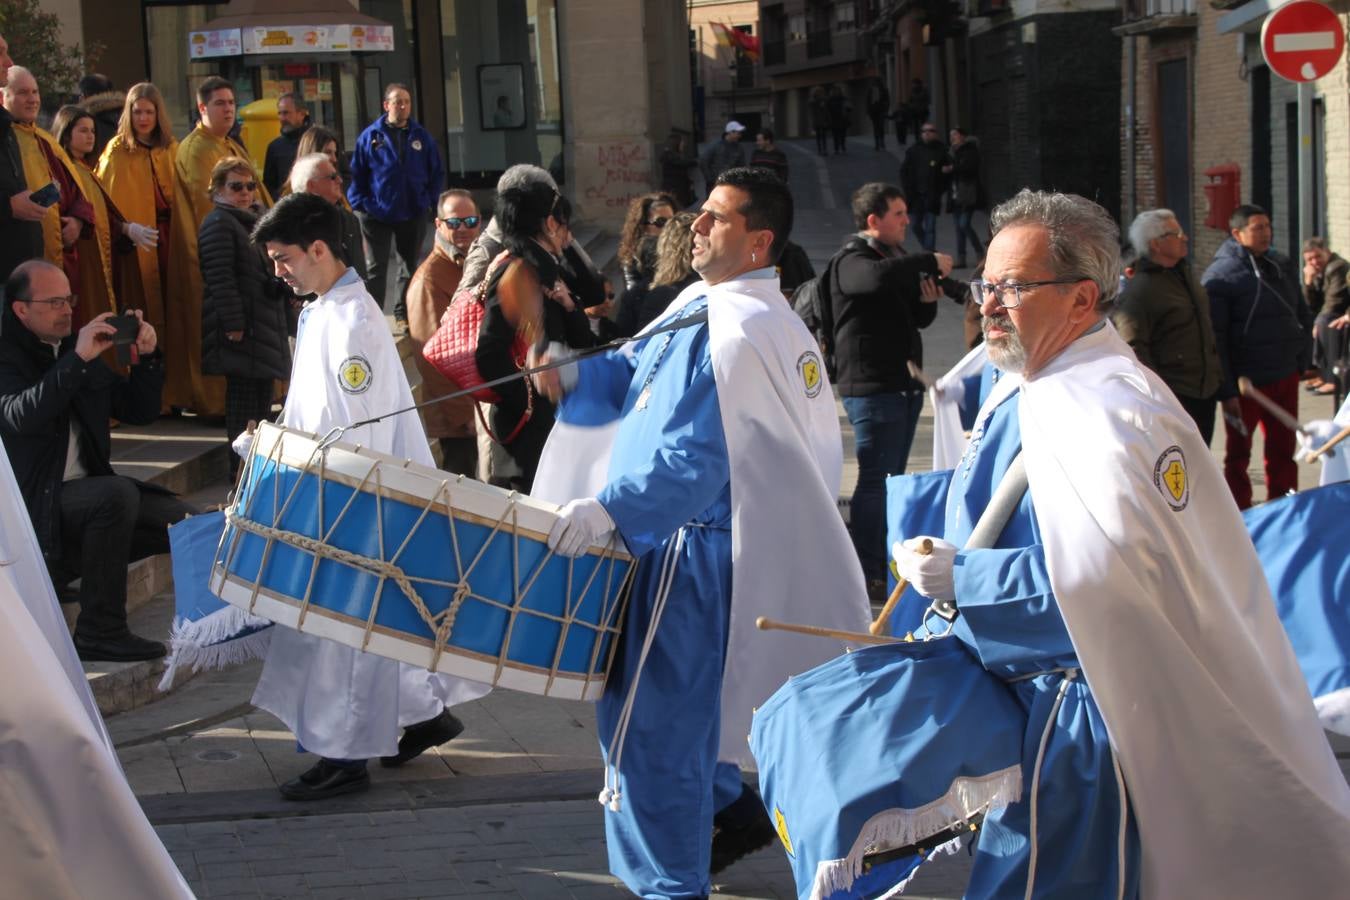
{"x":327,"y":779}
{"x":124,"y":648}
{"x":739,"y":830}
{"x":419,"y":738}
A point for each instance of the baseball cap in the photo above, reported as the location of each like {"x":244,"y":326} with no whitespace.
{"x":733,"y":125}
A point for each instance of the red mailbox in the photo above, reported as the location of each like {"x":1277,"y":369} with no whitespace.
{"x":1222,"y":192}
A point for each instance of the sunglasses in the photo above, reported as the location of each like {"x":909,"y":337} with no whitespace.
{"x":454,"y":222}
{"x":242,"y":185}
{"x":659,"y":221}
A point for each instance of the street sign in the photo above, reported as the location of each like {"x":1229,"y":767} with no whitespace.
{"x":1303,"y":40}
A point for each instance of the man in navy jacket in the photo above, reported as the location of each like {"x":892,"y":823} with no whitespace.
{"x":396,"y":177}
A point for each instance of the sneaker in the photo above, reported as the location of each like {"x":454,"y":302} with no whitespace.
{"x":124,"y":648}
{"x":739,"y":830}
{"x":419,"y":738}
{"x":327,"y":779}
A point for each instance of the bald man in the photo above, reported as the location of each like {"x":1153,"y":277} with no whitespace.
{"x":20,"y":217}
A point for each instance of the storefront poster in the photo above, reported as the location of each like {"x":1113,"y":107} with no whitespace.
{"x":208,"y":44}
{"x":501,"y":96}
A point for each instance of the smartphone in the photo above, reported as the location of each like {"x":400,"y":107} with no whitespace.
{"x":124,"y":339}
{"x":46,"y":196}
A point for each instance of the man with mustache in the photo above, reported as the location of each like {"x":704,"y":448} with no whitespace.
{"x":1123,"y":604}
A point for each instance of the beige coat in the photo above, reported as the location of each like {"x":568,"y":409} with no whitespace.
{"x":429,"y":293}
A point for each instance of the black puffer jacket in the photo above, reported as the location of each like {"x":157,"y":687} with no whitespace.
{"x":874,"y":297}
{"x":1262,"y":325}
{"x":239,"y":294}
{"x":41,"y":392}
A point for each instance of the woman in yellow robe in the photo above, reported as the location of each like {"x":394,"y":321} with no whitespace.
{"x":109,"y":278}
{"x":137,"y":170}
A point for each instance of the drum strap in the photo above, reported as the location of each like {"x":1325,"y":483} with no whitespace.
{"x":611,"y":795}
{"x":1069,"y":676}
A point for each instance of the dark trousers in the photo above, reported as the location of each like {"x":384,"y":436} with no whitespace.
{"x":840,"y":138}
{"x":107,"y":523}
{"x":1330,"y":347}
{"x":246,"y":399}
{"x":923,"y":220}
{"x":822,"y":144}
{"x":386,"y":238}
{"x":966,"y":232}
{"x":883,"y":431}
{"x":879,"y":132}
{"x":1202,"y":412}
{"x":1281,"y":470}
{"x":460,"y":455}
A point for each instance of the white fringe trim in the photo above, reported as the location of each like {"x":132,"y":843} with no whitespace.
{"x":211,"y":643}
{"x":898,"y":827}
{"x":1334,"y":711}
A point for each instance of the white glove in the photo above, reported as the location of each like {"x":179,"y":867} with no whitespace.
{"x":143,"y":236}
{"x":244,"y":442}
{"x":930,"y":575}
{"x":580,"y":524}
{"x":1313,"y":435}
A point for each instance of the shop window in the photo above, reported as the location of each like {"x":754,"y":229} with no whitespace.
{"x":501,"y":54}
{"x":177,"y":76}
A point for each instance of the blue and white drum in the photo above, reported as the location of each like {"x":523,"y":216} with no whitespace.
{"x":881,"y":749}
{"x":418,"y":565}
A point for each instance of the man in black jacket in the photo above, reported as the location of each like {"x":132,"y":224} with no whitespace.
{"x":20,"y":217}
{"x":56,"y":397}
{"x":923,"y":174}
{"x":880,"y":298}
{"x":280,"y":156}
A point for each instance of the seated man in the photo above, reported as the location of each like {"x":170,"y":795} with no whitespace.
{"x":56,"y":398}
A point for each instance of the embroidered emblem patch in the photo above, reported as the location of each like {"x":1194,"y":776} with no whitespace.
{"x":780,"y":824}
{"x":354,"y":375}
{"x":416,"y":144}
{"x":808,"y":365}
{"x":1169,"y":475}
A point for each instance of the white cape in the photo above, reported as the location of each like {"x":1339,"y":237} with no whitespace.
{"x":71,"y":827}
{"x":792,"y":559}
{"x":338,"y":701}
{"x":949,"y":438}
{"x":1234,"y":786}
{"x":1336,"y":466}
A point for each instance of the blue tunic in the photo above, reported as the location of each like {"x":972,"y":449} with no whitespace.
{"x":669,"y":470}
{"x":1011,"y":621}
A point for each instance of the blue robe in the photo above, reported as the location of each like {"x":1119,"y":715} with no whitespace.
{"x":669,"y":469}
{"x":1011,"y":621}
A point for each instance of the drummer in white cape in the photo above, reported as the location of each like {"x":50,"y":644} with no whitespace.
{"x":1172,"y":747}
{"x":342,"y":704}
{"x":721,"y":479}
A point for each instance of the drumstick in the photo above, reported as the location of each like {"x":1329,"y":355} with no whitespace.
{"x":879,"y":626}
{"x":766,"y":624}
{"x":1250,"y":390}
{"x":1326,"y":448}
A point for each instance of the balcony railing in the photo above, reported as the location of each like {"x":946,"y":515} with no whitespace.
{"x":1146,"y":9}
{"x":819,"y":43}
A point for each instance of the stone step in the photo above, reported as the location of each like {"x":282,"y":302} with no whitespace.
{"x":120,"y":686}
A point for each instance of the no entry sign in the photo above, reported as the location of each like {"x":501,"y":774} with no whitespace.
{"x":1303,"y":40}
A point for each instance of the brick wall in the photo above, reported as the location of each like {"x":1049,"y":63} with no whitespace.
{"x":1222,"y":115}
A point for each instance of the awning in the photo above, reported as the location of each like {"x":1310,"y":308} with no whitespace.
{"x":290,"y":27}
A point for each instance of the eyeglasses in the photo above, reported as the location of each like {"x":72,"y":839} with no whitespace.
{"x":242,"y":185}
{"x":70,"y":301}
{"x":659,"y":221}
{"x":454,"y":222}
{"x":1176,"y":234}
{"x":980,"y":290}
{"x":331,"y":176}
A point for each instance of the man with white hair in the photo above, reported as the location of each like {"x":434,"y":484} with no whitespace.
{"x":1123,"y":604}
{"x":315,"y":174}
{"x":20,"y":217}
{"x":1163,"y":314}
{"x":46,"y":166}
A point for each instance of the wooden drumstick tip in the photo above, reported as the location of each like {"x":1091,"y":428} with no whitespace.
{"x":1245,"y":385}
{"x":762,"y":623}
{"x":878,"y":627}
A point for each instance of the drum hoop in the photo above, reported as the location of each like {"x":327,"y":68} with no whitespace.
{"x":386,"y":567}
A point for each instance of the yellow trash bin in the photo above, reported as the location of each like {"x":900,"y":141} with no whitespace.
{"x":259,"y":126}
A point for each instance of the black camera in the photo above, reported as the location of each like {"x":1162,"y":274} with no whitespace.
{"x":124,"y":338}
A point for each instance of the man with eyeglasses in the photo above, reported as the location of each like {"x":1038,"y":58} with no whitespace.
{"x":432,"y":288}
{"x":1263,"y":328}
{"x":56,"y":398}
{"x":281,"y":152}
{"x":1121,"y":601}
{"x":315,"y":174}
{"x":1163,"y":314}
{"x":923,"y":176}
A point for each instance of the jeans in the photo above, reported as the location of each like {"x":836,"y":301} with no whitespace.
{"x":883,"y":430}
{"x":923,"y":219}
{"x":964,"y":230}
{"x":386,"y":238}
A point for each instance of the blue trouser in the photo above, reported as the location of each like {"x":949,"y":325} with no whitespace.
{"x":883,"y":430}
{"x":965,"y":231}
{"x":923,"y":215}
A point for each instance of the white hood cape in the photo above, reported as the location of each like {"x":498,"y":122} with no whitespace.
{"x":949,"y":438}
{"x":1234,"y":786}
{"x":792,"y":559}
{"x":71,"y":827}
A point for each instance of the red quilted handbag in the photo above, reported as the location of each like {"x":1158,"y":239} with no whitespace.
{"x":453,"y":347}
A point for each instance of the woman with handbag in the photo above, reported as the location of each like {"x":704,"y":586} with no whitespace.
{"x":527,"y":305}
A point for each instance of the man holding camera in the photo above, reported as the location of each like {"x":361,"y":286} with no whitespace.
{"x":56,"y":398}
{"x":880,"y":297}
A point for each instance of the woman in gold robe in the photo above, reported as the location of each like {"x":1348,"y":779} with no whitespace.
{"x":137,"y":170}
{"x":110,"y":279}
